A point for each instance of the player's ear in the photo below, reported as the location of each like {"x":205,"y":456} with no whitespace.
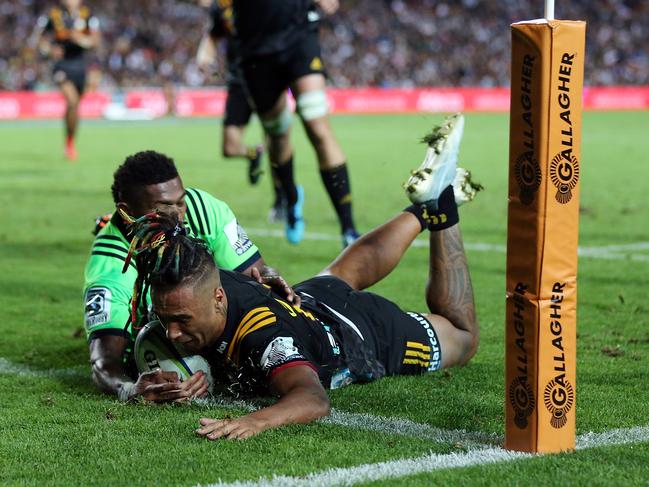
{"x":219,"y":298}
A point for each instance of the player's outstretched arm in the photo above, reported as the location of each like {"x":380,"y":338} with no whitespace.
{"x":302,"y":400}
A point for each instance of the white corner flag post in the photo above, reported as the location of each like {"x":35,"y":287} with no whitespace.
{"x":543,"y":215}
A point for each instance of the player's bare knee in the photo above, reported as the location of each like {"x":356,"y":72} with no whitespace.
{"x":229,"y":149}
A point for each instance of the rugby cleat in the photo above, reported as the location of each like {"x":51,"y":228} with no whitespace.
{"x":438,"y":170}
{"x":294,"y":220}
{"x":464,"y":188}
{"x":70,"y":151}
{"x":277,"y":212}
{"x":254,"y":167}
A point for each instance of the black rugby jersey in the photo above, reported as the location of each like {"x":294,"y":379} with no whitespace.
{"x":270,"y":26}
{"x":264,"y":335}
{"x":62,"y":23}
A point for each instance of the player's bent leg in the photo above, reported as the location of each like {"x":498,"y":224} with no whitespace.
{"x":277,"y":126}
{"x":449,"y":295}
{"x":233,"y":141}
{"x":276,"y":123}
{"x":374,"y":255}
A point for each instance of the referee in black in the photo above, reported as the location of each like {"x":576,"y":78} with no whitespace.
{"x":280,"y":49}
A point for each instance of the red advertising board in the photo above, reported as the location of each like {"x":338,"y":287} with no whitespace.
{"x":211,"y":102}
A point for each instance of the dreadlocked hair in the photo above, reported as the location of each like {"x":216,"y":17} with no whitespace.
{"x":164,"y":257}
{"x":141,"y":169}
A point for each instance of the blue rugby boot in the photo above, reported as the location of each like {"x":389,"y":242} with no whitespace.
{"x":294,"y":219}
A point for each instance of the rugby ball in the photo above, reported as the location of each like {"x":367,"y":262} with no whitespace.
{"x":153,"y":350}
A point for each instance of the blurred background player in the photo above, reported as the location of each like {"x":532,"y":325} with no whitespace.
{"x":280,"y":49}
{"x":65,"y":34}
{"x":237,"y":107}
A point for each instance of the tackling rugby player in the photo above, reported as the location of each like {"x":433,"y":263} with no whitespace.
{"x":146,"y":182}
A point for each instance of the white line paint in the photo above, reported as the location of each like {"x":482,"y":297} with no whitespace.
{"x":620,"y":436}
{"x":405,"y":427}
{"x":8,"y":367}
{"x":385,"y":470}
{"x":607,"y":252}
{"x":432,"y":462}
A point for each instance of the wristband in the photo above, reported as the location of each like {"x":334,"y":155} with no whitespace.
{"x":124,"y":391}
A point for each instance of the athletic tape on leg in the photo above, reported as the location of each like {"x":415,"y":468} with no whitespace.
{"x":312,"y":105}
{"x":280,"y":124}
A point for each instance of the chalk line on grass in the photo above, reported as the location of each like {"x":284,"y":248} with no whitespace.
{"x":432,"y":462}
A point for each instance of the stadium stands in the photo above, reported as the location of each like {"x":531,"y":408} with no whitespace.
{"x":385,"y":43}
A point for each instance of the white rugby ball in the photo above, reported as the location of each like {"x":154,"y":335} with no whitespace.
{"x":153,"y":350}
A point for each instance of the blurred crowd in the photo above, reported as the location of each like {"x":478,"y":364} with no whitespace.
{"x":388,"y":43}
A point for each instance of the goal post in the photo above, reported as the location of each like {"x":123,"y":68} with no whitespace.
{"x":542,"y":233}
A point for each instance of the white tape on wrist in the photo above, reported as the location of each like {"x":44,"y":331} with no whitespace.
{"x":124,"y":391}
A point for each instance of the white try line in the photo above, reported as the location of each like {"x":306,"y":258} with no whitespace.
{"x":607,"y":252}
{"x":429,"y":463}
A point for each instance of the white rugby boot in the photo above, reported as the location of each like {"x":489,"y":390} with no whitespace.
{"x":439,"y":168}
{"x":464,"y":189}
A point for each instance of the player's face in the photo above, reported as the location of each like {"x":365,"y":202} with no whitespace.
{"x":193,"y":316}
{"x":168,"y":197}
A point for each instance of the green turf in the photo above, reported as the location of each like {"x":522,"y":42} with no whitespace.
{"x":57,"y":430}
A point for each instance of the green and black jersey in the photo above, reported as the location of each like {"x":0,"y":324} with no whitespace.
{"x":108,"y":291}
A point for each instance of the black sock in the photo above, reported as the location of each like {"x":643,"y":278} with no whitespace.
{"x":443,"y":216}
{"x":284,"y":173}
{"x":337,"y":183}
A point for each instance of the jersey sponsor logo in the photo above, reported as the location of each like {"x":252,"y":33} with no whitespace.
{"x":97,"y":309}
{"x":278,"y":352}
{"x":434,"y":353}
{"x":237,"y":237}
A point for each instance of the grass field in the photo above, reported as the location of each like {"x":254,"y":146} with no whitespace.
{"x":55,"y":429}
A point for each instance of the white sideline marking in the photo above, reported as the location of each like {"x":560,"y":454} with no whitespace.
{"x":8,"y":367}
{"x":607,"y":252}
{"x":434,"y":461}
